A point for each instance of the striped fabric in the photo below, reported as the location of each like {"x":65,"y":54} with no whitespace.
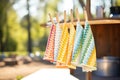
{"x":62,"y":54}
{"x":88,"y":53}
{"x":49,"y":53}
{"x":70,"y":45}
{"x":57,"y":40}
{"x":77,"y":44}
{"x":67,"y":47}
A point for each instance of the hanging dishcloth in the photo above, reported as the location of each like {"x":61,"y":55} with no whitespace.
{"x":62,"y":54}
{"x":91,"y":62}
{"x":88,"y":53}
{"x":57,"y":40}
{"x":70,"y":45}
{"x":49,"y":53}
{"x":77,"y":44}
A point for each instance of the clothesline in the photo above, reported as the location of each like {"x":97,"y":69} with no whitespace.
{"x":71,"y":17}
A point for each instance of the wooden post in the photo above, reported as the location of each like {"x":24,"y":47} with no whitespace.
{"x":87,"y":14}
{"x":88,"y":76}
{"x":88,"y":5}
{"x":72,"y":71}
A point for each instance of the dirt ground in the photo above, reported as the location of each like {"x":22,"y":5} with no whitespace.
{"x":13,"y":72}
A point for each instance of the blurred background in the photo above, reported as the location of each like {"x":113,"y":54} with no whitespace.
{"x":24,"y":30}
{"x":20,"y":29}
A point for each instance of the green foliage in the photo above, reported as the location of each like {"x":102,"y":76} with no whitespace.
{"x":16,"y":31}
{"x":11,"y":45}
{"x":14,"y":34}
{"x":118,"y":2}
{"x":38,"y":34}
{"x":3,"y":7}
{"x":19,"y":77}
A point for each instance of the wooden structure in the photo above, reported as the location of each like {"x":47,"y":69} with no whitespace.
{"x":106,"y":33}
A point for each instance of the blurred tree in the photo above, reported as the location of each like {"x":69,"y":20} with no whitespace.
{"x":13,"y":36}
{"x":118,"y":2}
{"x":39,"y":34}
{"x":16,"y":32}
{"x":4,"y":4}
{"x":51,"y":7}
{"x":10,"y":30}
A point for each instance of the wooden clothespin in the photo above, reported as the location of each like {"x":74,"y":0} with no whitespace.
{"x":71,"y":15}
{"x":77,"y":14}
{"x":64,"y":16}
{"x":51,"y":18}
{"x":85,"y":13}
{"x":57,"y":19}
